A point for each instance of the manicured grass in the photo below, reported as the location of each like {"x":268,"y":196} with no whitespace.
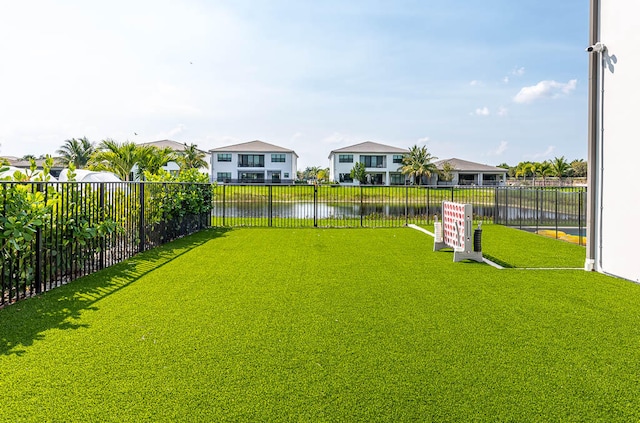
{"x":516,"y":248}
{"x":322,"y":325}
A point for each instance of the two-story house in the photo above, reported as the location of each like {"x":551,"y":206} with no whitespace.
{"x":382,"y":163}
{"x":253,"y":162}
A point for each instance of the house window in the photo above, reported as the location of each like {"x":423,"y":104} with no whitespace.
{"x":397,"y":158}
{"x":345,"y":177}
{"x":224,"y":177}
{"x":345,"y":158}
{"x":277,"y":158}
{"x":251,"y":177}
{"x":286,"y":175}
{"x":250,"y":160}
{"x":224,"y":157}
{"x":396,"y":178}
{"x":372,"y":161}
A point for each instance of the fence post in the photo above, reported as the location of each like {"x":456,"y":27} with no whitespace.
{"x":451,"y":193}
{"x":579,"y":217}
{"x":270,"y":205}
{"x":141,"y":232}
{"x":406,"y":205}
{"x":361,"y":207}
{"x":495,"y":204}
{"x":38,"y":241}
{"x":556,"y":213}
{"x":103,"y":241}
{"x":315,"y":205}
{"x":224,"y":203}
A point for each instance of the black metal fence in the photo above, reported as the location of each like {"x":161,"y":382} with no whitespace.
{"x":54,"y":232}
{"x":380,"y":206}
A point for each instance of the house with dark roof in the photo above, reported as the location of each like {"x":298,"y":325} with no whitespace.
{"x":173,"y":167}
{"x":381,"y":163}
{"x":463,"y":172}
{"x":253,"y":162}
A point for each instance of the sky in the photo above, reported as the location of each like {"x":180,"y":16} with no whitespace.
{"x":491,"y":82}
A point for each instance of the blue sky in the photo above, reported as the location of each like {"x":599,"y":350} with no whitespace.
{"x":494,"y":81}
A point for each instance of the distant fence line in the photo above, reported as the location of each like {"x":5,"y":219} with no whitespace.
{"x":389,"y":206}
{"x":54,"y":232}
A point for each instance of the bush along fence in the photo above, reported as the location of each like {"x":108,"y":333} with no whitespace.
{"x":389,"y":206}
{"x":54,"y":232}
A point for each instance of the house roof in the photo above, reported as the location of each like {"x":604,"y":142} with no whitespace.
{"x":17,"y":162}
{"x":174,"y":145}
{"x":467,"y":166}
{"x":253,"y":146}
{"x":369,"y":147}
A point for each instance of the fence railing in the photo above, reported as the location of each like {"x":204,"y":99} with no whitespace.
{"x":380,"y":206}
{"x":54,"y":232}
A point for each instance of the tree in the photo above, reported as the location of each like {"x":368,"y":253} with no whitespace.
{"x":191,"y":158}
{"x":151,"y":159}
{"x":76,"y":151}
{"x":560,"y":167}
{"x":359,"y":172}
{"x":418,"y":164}
{"x":579,"y":167}
{"x":524,"y":169}
{"x":543,"y":170}
{"x":511,"y":170}
{"x":446,"y":173}
{"x":311,"y":173}
{"x":323,"y":175}
{"x":115,"y":157}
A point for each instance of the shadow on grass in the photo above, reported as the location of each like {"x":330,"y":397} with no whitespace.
{"x":25,"y":322}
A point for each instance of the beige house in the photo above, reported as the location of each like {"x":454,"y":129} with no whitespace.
{"x":464,"y":172}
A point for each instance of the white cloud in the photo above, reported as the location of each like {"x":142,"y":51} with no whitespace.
{"x":484,"y":111}
{"x":476,"y":83}
{"x":545,"y":89}
{"x":502,"y":111}
{"x":423,"y":140}
{"x":501,"y":149}
{"x":518,"y":71}
{"x":505,"y":79}
{"x":544,"y":155}
{"x":338,"y":138}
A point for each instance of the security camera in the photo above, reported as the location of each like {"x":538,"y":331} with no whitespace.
{"x":596,"y":48}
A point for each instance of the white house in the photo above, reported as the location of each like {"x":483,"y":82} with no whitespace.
{"x":464,"y":172}
{"x":253,"y":162}
{"x":172,"y":167}
{"x":381,"y":163}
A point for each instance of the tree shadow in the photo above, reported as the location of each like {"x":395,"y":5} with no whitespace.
{"x":25,"y":322}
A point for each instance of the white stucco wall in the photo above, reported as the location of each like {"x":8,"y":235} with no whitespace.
{"x":618,"y":202}
{"x":287,"y":168}
{"x":336,"y":168}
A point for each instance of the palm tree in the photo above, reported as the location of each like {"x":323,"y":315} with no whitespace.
{"x":312,"y":173}
{"x":76,"y":151}
{"x":418,"y":164}
{"x":115,"y":157}
{"x":524,"y":169}
{"x":323,"y":175}
{"x":191,"y":158}
{"x":543,"y":170}
{"x":446,"y":173}
{"x":151,"y":159}
{"x":560,"y":167}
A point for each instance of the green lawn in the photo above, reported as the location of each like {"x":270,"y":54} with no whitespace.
{"x":326,"y":325}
